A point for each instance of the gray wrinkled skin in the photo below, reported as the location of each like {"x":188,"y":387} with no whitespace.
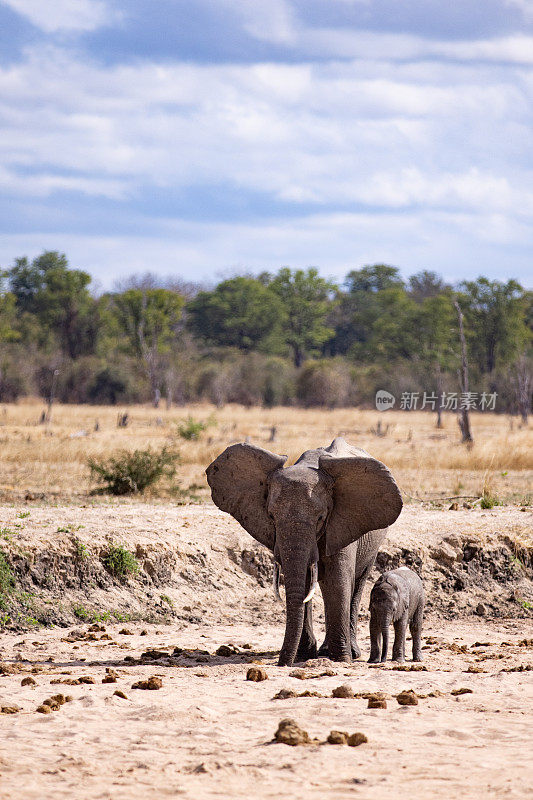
{"x":328,"y":513}
{"x":397,"y":597}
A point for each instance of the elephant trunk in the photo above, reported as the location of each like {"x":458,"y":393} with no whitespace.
{"x":297,"y":582}
{"x":385,"y":635}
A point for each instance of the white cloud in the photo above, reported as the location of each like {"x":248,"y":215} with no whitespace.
{"x":337,"y":242}
{"x":525,"y":6}
{"x":441,"y":150}
{"x":62,"y":15}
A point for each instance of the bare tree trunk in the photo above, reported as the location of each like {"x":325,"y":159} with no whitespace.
{"x":523,"y":387}
{"x":464,"y":419}
{"x":48,"y":415}
{"x":439,"y":395}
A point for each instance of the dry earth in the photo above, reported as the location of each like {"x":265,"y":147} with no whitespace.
{"x":207,"y":732}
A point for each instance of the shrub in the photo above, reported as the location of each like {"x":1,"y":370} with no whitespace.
{"x":191,"y":429}
{"x":323,"y":383}
{"x":489,"y":500}
{"x":131,"y":472}
{"x":7,"y":581}
{"x":120,"y":562}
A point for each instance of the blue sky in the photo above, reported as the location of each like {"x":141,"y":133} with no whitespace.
{"x":201,"y":138}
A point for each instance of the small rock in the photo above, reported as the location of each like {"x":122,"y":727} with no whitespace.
{"x":467,"y":505}
{"x":28,"y":681}
{"x":454,"y":507}
{"x":109,"y":679}
{"x":337,"y":737}
{"x":356,"y":739}
{"x":126,"y":632}
{"x":143,"y":633}
{"x":105,"y":636}
{"x":456,"y":692}
{"x":376,"y":702}
{"x":43,"y":709}
{"x":152,"y":683}
{"x":118,"y":693}
{"x":289,"y":732}
{"x":256,"y":674}
{"x":480,"y":610}
{"x":407,"y":698}
{"x":345,"y":690}
{"x":10,"y":709}
{"x":85,"y":679}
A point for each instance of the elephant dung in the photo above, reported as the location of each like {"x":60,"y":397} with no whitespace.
{"x":256,"y":674}
{"x":345,"y":691}
{"x":289,"y":732}
{"x":152,"y":683}
{"x":356,"y":739}
{"x":407,"y":698}
{"x":28,"y":681}
{"x":10,"y":709}
{"x":377,"y":702}
{"x":338,"y":737}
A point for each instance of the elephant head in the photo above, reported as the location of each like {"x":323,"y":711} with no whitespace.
{"x":328,"y":499}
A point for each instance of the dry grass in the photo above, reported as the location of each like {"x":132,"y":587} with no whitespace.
{"x":51,"y":460}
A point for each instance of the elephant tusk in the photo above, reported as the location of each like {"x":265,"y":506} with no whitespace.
{"x":314,"y":582}
{"x":275,"y":582}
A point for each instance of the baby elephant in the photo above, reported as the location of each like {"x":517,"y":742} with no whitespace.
{"x":398,"y":597}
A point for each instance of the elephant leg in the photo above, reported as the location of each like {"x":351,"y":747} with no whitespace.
{"x":398,"y":648}
{"x":359,"y":585}
{"x":307,"y":647}
{"x":375,"y":640}
{"x":415,"y":627}
{"x":337,"y":587}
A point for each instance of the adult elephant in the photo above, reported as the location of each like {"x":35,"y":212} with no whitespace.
{"x":324,"y":519}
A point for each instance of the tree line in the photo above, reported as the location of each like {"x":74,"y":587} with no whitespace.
{"x":289,"y":337}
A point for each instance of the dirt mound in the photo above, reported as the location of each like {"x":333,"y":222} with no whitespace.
{"x":129,"y":560}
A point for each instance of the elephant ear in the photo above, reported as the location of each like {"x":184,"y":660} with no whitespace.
{"x":365,"y":496}
{"x":239,"y":485}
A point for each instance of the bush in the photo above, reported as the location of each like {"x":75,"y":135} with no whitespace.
{"x":326,"y":384}
{"x":190,"y":429}
{"x":7,"y":580}
{"x":120,"y":562}
{"x":128,"y":473}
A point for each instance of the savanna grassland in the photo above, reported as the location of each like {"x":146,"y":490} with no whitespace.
{"x":49,"y":461}
{"x":128,"y":625}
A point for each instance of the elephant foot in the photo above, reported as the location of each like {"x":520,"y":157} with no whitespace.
{"x":417,"y":657}
{"x":374,"y":660}
{"x":284,"y":660}
{"x":307,"y":651}
{"x":398,"y":659}
{"x":325,"y":652}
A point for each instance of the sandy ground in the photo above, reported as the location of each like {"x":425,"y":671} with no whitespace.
{"x":207,"y":732}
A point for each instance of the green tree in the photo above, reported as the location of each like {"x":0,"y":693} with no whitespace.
{"x":307,"y":300}
{"x":58,"y":297}
{"x":425,"y":285}
{"x":495,"y":315}
{"x":8,"y":313}
{"x":150,"y":320}
{"x":240,"y":312}
{"x":361,"y":305}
